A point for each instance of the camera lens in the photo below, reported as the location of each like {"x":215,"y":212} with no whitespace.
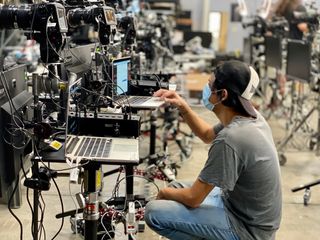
{"x":15,"y":16}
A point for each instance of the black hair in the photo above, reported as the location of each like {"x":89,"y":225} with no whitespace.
{"x":232,"y":100}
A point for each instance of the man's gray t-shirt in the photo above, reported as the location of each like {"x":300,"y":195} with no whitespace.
{"x":243,"y":162}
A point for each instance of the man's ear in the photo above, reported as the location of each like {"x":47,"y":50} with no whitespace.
{"x":224,"y":94}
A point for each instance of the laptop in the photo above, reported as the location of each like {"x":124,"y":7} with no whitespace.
{"x":105,"y":150}
{"x":102,"y":149}
{"x":120,"y":79}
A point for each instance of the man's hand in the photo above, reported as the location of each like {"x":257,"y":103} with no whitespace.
{"x":171,"y":97}
{"x":191,"y":197}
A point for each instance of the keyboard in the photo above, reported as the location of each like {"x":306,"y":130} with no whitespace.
{"x":132,"y":100}
{"x":138,"y":99}
{"x":89,"y":147}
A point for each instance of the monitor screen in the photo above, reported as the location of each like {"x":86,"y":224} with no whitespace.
{"x":121,"y":75}
{"x":299,"y":60}
{"x":273,"y":51}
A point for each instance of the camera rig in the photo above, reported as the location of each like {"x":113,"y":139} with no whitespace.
{"x":102,"y":17}
{"x":45,"y":22}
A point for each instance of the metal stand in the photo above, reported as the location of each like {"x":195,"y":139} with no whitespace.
{"x":307,"y":192}
{"x":35,"y":217}
{"x":283,"y":143}
{"x":153,"y":138}
{"x":91,"y":209}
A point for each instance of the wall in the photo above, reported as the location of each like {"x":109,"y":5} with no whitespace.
{"x":235,"y":32}
{"x":196,"y":6}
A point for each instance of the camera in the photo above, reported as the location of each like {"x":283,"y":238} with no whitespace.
{"x":45,"y":21}
{"x":102,"y":17}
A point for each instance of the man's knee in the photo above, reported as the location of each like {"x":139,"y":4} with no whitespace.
{"x":152,"y":213}
{"x":157,"y":211}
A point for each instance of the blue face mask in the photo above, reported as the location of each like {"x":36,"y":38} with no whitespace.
{"x":206,"y":93}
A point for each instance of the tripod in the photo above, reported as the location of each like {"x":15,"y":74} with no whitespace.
{"x":307,"y":190}
{"x":284,"y":142}
{"x":300,"y":50}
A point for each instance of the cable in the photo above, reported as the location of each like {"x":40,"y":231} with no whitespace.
{"x":13,"y":134}
{"x":32,"y":213}
{"x":76,"y":207}
{"x":105,"y":229}
{"x":27,"y":194}
{"x":132,"y":236}
{"x":48,"y":41}
{"x":42,"y":228}
{"x":159,"y":81}
{"x":115,"y":190}
{"x":138,"y":203}
{"x":149,"y":180}
{"x":62,"y":209}
{"x":18,"y":121}
{"x":10,"y":210}
{"x":57,"y":170}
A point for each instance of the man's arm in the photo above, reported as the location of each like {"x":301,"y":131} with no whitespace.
{"x":191,"y":197}
{"x":201,"y":128}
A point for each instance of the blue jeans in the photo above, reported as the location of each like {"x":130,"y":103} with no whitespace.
{"x":175,"y":221}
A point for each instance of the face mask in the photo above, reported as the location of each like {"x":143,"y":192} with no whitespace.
{"x":206,"y":93}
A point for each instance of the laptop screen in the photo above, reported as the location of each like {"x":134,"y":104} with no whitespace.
{"x":121,"y":75}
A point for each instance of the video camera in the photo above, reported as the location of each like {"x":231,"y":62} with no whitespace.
{"x":259,"y":26}
{"x":102,"y":17}
{"x":312,"y":19}
{"x":46,"y":21}
{"x":277,"y":25}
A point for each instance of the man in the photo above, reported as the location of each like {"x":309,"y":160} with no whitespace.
{"x":290,"y":9}
{"x":237,"y":195}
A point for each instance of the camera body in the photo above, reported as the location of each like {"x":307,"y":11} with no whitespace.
{"x":46,"y":23}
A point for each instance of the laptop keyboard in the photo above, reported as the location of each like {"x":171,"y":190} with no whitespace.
{"x":90,"y":147}
{"x":133,"y":100}
{"x":138,"y":99}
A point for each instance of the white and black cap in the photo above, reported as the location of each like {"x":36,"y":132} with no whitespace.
{"x":241,"y":79}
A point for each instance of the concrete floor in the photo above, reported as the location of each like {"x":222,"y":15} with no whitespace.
{"x":298,"y":221}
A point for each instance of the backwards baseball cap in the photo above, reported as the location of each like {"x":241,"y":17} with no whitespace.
{"x":239,"y":78}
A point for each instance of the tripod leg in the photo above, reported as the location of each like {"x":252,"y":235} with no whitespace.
{"x":306,"y":196}
{"x":305,"y":186}
{"x":294,"y":130}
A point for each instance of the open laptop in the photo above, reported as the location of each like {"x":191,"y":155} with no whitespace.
{"x":105,"y":150}
{"x":120,"y":79}
{"x":102,"y":149}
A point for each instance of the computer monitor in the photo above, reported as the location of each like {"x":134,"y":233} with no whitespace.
{"x":273,"y":51}
{"x":299,"y":60}
{"x":121,"y":75}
